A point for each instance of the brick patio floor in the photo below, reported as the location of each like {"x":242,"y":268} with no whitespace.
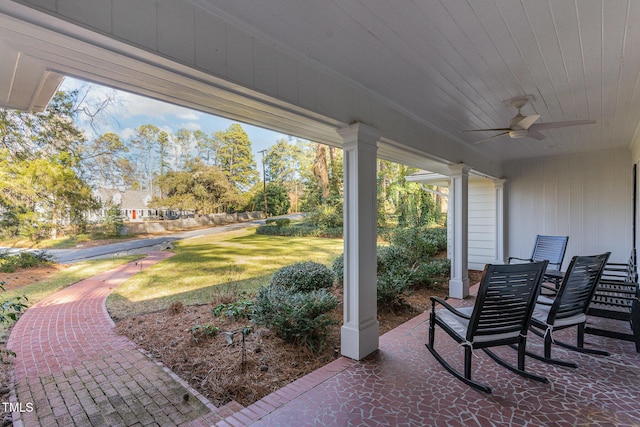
{"x":75,"y":370}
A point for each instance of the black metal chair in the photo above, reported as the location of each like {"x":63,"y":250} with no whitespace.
{"x":549,"y":248}
{"x":500,"y":316}
{"x":569,"y":307}
{"x":552,"y":249}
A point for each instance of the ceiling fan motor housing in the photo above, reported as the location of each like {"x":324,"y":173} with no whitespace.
{"x":518,"y":133}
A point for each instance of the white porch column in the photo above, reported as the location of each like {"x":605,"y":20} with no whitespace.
{"x":459,"y":216}
{"x":359,"y":335}
{"x":500,"y":235}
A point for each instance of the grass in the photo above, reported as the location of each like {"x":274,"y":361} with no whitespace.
{"x":61,"y":279}
{"x":205,"y":268}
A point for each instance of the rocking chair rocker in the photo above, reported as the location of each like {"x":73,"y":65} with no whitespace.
{"x":500,"y":316}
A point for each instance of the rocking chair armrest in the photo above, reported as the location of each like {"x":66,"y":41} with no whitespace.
{"x":448,"y":306}
{"x":520,"y":259}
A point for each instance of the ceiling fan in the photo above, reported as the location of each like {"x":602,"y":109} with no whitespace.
{"x":521,"y":126}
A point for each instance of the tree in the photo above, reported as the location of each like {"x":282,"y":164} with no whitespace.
{"x":234,"y":157}
{"x":277,"y":200}
{"x":103,"y":160}
{"x":41,"y":184}
{"x":203,"y":189}
{"x":146,"y":140}
{"x":44,"y":194}
{"x":205,"y":150}
{"x":183,"y":141}
{"x":282,"y":163}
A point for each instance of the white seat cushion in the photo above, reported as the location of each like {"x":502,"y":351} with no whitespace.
{"x":460,"y":325}
{"x":541,"y":314}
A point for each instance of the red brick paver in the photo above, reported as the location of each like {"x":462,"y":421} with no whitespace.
{"x":73,"y":369}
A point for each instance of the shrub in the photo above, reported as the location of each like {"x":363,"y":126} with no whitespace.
{"x":303,"y":277}
{"x":337,"y":266}
{"x":392,"y":259}
{"x":11,"y":262}
{"x":235,"y":310}
{"x":301,"y":318}
{"x":415,"y":242}
{"x":326,"y":217}
{"x":392,"y":288}
{"x":282,"y":222}
{"x":10,"y":309}
{"x":203,"y":331}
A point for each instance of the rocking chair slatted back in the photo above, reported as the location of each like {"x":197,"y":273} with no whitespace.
{"x":577,"y":288}
{"x":504,"y":301}
{"x":550,"y":248}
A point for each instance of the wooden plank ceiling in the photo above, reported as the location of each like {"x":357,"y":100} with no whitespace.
{"x":452,"y":64}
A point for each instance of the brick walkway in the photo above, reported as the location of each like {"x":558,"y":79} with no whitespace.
{"x":73,"y":369}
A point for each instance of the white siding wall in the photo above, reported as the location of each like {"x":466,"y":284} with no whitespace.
{"x":482,"y":223}
{"x":586,"y":196}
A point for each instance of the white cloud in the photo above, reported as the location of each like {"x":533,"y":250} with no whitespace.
{"x":188,"y":114}
{"x":127,"y":133}
{"x":134,"y":105}
{"x":190,"y":126}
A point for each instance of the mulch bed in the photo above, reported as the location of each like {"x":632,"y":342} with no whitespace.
{"x":215,"y":368}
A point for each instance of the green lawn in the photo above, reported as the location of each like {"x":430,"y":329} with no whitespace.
{"x":206,"y":268}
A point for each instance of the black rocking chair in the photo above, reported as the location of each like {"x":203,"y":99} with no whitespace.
{"x":569,"y":307}
{"x":552,"y":249}
{"x":500,"y":316}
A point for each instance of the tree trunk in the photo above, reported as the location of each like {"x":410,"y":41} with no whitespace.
{"x":320,"y":169}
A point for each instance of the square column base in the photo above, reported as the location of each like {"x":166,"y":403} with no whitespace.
{"x":459,"y":288}
{"x":359,"y":343}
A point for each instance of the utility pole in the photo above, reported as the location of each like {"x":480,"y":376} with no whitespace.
{"x":264,"y":184}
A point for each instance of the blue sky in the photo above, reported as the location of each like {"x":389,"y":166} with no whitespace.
{"x":133,"y":111}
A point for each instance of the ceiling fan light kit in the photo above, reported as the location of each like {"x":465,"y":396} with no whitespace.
{"x":521,"y":126}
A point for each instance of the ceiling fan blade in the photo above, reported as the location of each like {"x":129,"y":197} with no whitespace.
{"x":526,"y":122}
{"x":555,"y":125}
{"x":486,"y":130}
{"x":491,"y":137}
{"x":535,"y":135}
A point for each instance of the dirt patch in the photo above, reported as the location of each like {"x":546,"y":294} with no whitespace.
{"x":24,"y":277}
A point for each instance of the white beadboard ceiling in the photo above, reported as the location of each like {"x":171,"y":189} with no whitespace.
{"x":452,"y":63}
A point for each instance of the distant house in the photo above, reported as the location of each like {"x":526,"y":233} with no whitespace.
{"x":133,"y":204}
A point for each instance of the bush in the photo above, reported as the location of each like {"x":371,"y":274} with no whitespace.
{"x":10,"y":309}
{"x":326,"y":217}
{"x":392,"y":259}
{"x":432,"y":270}
{"x":282,"y":222}
{"x":420,"y":243}
{"x":12,"y":262}
{"x":303,"y":277}
{"x":235,"y":310}
{"x":392,"y":288}
{"x":300,"y":318}
{"x":337,"y":266}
